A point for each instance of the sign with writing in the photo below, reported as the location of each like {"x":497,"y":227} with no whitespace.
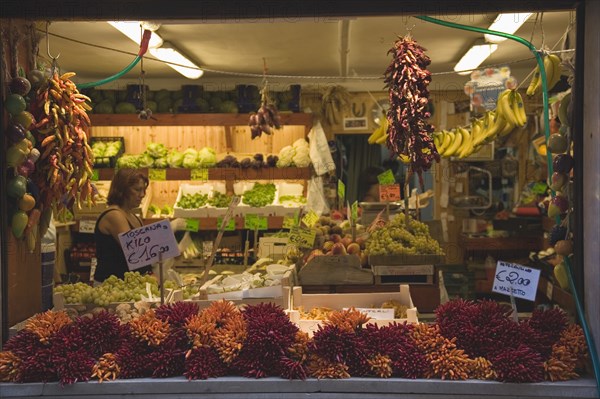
{"x":310,"y":218}
{"x":157,"y":174}
{"x":255,"y":222}
{"x":386,"y":177}
{"x":354,"y":212}
{"x":199,"y":174}
{"x":230,"y":226}
{"x":377,"y":313}
{"x":95,"y":175}
{"x":389,"y":192}
{"x":143,"y":245}
{"x":290,"y":221}
{"x":341,"y":189}
{"x":303,"y":238}
{"x":87,"y":226}
{"x":192,"y":225}
{"x":516,"y":280}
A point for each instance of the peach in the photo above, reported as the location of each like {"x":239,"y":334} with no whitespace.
{"x":338,"y":249}
{"x":353,"y":248}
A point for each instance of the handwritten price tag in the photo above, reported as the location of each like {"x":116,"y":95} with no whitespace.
{"x":192,"y":225}
{"x":390,"y":192}
{"x":142,"y":246}
{"x":95,"y":175}
{"x":230,"y":224}
{"x":255,"y":222}
{"x":199,"y":174}
{"x":157,"y":174}
{"x":290,"y":222}
{"x":354,"y":212}
{"x":87,"y":226}
{"x":310,"y":218}
{"x":377,"y":313}
{"x":518,"y":280}
{"x":303,"y":238}
{"x":386,"y":177}
{"x":341,"y":188}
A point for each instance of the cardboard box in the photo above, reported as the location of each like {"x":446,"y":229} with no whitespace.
{"x":351,"y":300}
{"x":272,"y":247}
{"x":398,"y":274}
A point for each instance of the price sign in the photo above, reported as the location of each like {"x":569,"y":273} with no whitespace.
{"x":87,"y":226}
{"x":230,"y":224}
{"x":199,"y":174}
{"x":377,"y":313}
{"x":290,"y":222}
{"x":301,"y":237}
{"x":389,"y":192}
{"x":386,"y":177}
{"x":192,"y":225}
{"x":142,"y":246}
{"x":310,"y":218}
{"x":157,"y":174}
{"x":516,"y":280}
{"x":354,"y":212}
{"x":95,"y":175}
{"x":341,"y":189}
{"x":255,"y":222}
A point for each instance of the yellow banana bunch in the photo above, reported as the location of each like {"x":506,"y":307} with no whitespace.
{"x":379,"y":135}
{"x":553,"y":73}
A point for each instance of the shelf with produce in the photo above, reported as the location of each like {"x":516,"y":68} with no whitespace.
{"x":300,"y":119}
{"x":226,"y":174}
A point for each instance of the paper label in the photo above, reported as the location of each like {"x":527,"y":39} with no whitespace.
{"x":354,"y":212}
{"x":301,"y":237}
{"x":390,"y":192}
{"x":199,"y":174}
{"x":341,"y":189}
{"x":255,"y":222}
{"x":310,"y":218}
{"x":386,"y":177}
{"x":95,"y":175}
{"x":518,"y":280}
{"x":87,"y":226}
{"x":377,"y":313}
{"x":230,"y":226}
{"x":192,"y":225}
{"x":157,"y":174}
{"x":143,"y":245}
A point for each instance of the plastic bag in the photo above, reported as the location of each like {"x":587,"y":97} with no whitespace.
{"x":316,"y":196}
{"x":319,"y":150}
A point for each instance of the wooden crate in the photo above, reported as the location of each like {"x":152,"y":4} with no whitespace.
{"x":350,"y":300}
{"x":404,"y":274}
{"x":338,"y":270}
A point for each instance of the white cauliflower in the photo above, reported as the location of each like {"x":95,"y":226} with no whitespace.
{"x":286,"y":157}
{"x":302,"y":157}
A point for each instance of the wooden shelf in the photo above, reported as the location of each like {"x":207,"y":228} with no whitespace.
{"x":298,"y":119}
{"x":556,"y":294}
{"x":227,"y":174}
{"x":500,"y":243}
{"x":206,"y":223}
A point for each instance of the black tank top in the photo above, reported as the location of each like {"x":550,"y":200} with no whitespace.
{"x":110,"y":257}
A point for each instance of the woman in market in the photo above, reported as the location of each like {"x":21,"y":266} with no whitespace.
{"x":127,"y":190}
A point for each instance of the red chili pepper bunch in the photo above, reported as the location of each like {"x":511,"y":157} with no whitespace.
{"x":409,"y":134}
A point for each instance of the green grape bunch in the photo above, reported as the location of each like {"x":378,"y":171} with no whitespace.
{"x":398,"y":237}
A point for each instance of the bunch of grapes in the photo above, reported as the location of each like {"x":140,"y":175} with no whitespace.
{"x":401,"y":238}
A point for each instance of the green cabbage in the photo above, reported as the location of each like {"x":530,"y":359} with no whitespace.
{"x":156,"y":150}
{"x":128,"y":161}
{"x":145,"y":161}
{"x":207,"y":157}
{"x":161,"y":163}
{"x":175,"y":159}
{"x":190,"y":158}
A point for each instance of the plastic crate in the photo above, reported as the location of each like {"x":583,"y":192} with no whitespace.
{"x":107,"y":162}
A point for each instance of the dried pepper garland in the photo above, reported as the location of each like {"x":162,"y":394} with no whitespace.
{"x":410,"y":137}
{"x":261,"y":341}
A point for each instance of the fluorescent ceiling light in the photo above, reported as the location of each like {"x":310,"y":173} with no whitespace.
{"x":133,"y":30}
{"x":507,"y":23}
{"x":474,"y":57}
{"x":173,"y":58}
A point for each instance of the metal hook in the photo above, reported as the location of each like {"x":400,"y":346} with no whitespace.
{"x":48,"y":44}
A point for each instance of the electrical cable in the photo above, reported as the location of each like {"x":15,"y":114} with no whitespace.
{"x":540,"y":62}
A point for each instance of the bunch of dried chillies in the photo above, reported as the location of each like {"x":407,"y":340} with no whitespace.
{"x":410,"y":136}
{"x":65,"y":166}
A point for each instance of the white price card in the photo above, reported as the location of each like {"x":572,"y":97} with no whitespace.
{"x":87,"y":226}
{"x":149,"y":244}
{"x":516,"y":280}
{"x":377,"y":313}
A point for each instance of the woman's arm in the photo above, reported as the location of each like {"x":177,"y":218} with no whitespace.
{"x":114,"y":223}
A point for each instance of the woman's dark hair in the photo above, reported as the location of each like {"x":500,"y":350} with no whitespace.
{"x":121,"y":183}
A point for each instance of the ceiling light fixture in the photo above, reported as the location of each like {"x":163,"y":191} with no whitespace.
{"x":507,"y":23}
{"x":133,"y":30}
{"x":474,"y":57}
{"x":173,"y":58}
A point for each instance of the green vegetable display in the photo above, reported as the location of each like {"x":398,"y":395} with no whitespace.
{"x":297,"y":199}
{"x":192,"y":201}
{"x":219,"y":200}
{"x":260,"y":195}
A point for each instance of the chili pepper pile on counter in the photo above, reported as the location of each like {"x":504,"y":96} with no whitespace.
{"x":65,"y":166}
{"x":410,"y":136}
